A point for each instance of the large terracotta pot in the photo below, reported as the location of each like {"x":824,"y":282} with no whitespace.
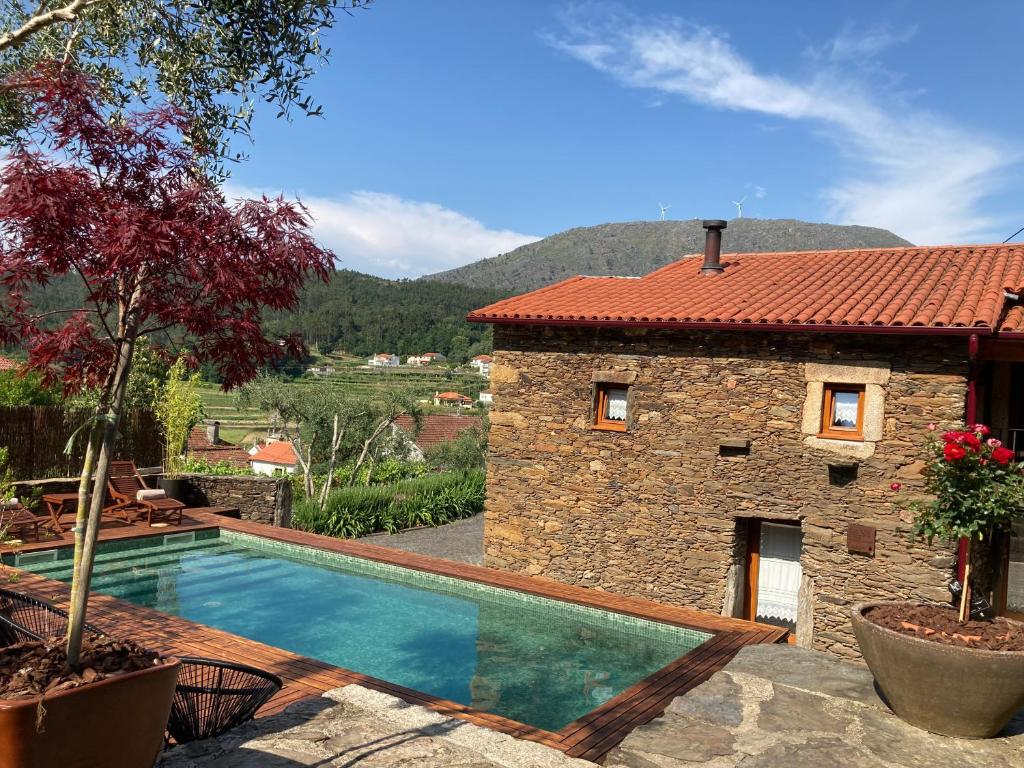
{"x":115,"y":723}
{"x":945,"y":689}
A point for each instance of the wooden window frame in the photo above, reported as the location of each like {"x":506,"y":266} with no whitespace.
{"x":828,"y":394}
{"x":600,"y":407}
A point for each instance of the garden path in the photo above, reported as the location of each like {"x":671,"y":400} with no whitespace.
{"x":462,"y":540}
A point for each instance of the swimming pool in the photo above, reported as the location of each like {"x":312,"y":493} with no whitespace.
{"x":538,"y":661}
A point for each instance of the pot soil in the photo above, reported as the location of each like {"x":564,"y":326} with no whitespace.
{"x":956,"y":686}
{"x":111,"y":714}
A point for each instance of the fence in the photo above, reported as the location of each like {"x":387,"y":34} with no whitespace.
{"x":35,"y":436}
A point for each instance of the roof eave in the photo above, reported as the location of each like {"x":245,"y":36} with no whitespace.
{"x":905,"y":330}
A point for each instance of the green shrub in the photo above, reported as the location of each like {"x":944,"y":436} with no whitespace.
{"x":361,"y":510}
{"x":201,"y":466}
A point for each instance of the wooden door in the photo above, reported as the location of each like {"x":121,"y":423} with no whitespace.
{"x":773,"y":572}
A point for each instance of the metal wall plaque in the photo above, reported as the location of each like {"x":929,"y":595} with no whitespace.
{"x":860,"y":539}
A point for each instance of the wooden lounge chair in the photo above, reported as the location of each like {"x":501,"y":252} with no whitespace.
{"x":124,"y":485}
{"x":14,"y":517}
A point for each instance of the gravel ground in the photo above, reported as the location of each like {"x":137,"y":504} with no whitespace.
{"x":462,"y":541}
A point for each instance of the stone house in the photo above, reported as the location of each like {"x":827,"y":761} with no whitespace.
{"x":724,"y":434}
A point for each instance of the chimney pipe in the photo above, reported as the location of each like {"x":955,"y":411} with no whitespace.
{"x":213,"y":432}
{"x":713,"y":247}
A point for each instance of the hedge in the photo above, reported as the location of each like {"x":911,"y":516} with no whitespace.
{"x":361,"y":510}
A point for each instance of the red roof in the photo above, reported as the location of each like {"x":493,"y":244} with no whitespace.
{"x":438,"y":427}
{"x":948,"y":287}
{"x":280,"y":452}
{"x":484,"y":358}
{"x":6,"y":364}
{"x":199,"y":445}
{"x":452,"y":396}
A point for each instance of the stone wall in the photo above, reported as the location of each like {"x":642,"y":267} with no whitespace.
{"x":262,"y":499}
{"x":661,"y":511}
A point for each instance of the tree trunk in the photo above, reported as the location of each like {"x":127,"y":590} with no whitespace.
{"x":87,"y":554}
{"x":82,"y":513}
{"x":367,"y":444}
{"x":336,"y":437}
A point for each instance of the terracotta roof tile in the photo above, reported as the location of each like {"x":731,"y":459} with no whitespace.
{"x":438,"y":427}
{"x":6,"y":364}
{"x":279,"y":452}
{"x":199,"y":445}
{"x":932,"y":287}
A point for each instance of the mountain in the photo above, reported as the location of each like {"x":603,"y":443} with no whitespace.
{"x":638,"y":247}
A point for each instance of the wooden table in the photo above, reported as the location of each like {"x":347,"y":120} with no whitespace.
{"x":55,"y":505}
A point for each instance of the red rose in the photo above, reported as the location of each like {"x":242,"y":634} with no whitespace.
{"x":981,"y":429}
{"x":953,"y":452}
{"x":951,"y":437}
{"x":1002,"y":455}
{"x":971,"y":441}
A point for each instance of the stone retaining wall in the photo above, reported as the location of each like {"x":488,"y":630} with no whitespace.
{"x":661,"y":511}
{"x":262,"y":499}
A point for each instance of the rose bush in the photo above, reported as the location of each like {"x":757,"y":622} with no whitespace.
{"x":975,"y":485}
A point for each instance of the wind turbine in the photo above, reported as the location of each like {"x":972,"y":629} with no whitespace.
{"x":663,"y":208}
{"x":739,"y":207}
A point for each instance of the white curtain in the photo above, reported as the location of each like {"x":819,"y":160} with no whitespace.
{"x":779,"y":572}
{"x":617,"y":404}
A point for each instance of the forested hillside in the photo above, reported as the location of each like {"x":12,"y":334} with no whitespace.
{"x":638,"y":247}
{"x":361,"y":314}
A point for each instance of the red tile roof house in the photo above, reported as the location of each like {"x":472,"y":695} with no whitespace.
{"x":275,"y":458}
{"x":6,"y":364}
{"x":205,"y":443}
{"x":436,"y":428}
{"x":453,"y":399}
{"x":723,"y":434}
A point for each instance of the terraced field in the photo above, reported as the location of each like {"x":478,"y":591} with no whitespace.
{"x":241,"y":425}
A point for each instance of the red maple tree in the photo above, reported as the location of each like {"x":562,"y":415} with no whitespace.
{"x":122,"y":204}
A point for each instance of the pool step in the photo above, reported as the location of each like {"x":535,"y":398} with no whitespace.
{"x":50,"y":569}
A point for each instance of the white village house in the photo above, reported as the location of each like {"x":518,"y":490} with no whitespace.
{"x":427,"y":358}
{"x":384,"y":360}
{"x":274,"y":458}
{"x":482,"y":365}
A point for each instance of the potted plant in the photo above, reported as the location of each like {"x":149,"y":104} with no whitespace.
{"x":947,"y":668}
{"x":178,"y":409}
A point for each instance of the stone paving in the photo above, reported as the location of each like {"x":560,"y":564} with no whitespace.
{"x":779,"y":706}
{"x":354,"y":726}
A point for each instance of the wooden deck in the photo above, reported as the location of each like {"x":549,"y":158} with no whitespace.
{"x":591,"y":737}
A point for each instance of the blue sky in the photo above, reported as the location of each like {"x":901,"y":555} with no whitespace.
{"x":457,"y":130}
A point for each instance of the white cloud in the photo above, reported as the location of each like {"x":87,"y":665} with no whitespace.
{"x":916,"y":173}
{"x":386,"y":235}
{"x":852,"y":44}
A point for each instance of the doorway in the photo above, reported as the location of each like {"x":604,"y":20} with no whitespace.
{"x":1011,"y":592}
{"x":773,"y":573}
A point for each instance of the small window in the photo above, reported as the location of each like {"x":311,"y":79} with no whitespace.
{"x":843,"y":412}
{"x":610,"y":407}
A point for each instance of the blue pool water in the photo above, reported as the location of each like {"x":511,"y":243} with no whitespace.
{"x":538,"y":661}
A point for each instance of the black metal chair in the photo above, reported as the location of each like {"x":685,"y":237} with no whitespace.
{"x":213,"y":696}
{"x":23,"y":618}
